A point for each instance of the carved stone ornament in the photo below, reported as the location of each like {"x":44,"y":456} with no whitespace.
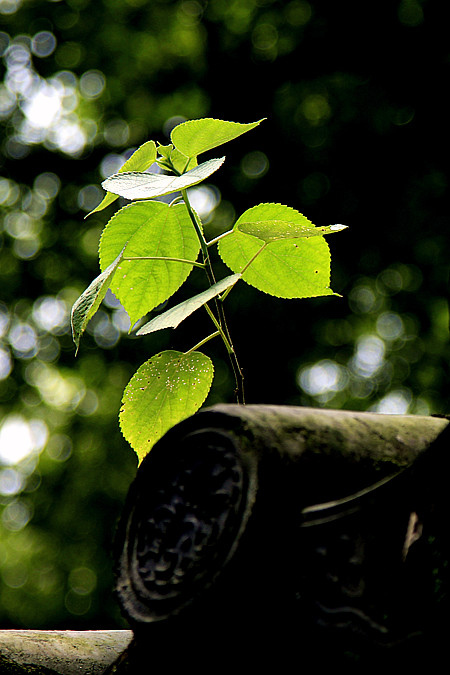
{"x":279,"y":530}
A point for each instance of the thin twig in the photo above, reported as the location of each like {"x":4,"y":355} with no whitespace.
{"x":202,"y":342}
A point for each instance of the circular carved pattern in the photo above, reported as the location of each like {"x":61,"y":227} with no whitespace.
{"x":184,"y":522}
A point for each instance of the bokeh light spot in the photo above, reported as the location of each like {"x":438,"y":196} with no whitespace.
{"x":43,"y":44}
{"x":47,"y":184}
{"x":89,"y":197}
{"x":369,"y":355}
{"x":395,"y":402}
{"x":19,"y":438}
{"x":6,"y":363}
{"x":11,"y":482}
{"x":116,"y":132}
{"x":390,"y":326}
{"x":9,"y":6}
{"x":204,"y":199}
{"x":92,"y":84}
{"x":51,"y":314}
{"x":110,"y":164}
{"x":82,"y":580}
{"x":324,"y":377}
{"x":16,"y":516}
{"x":315,"y":109}
{"x":23,"y":340}
{"x":255,"y":164}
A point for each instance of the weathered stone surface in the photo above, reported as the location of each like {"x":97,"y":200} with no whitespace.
{"x":263,"y":536}
{"x":60,"y":652}
{"x":324,"y":530}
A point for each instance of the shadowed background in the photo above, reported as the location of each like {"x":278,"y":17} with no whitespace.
{"x":356,"y":133}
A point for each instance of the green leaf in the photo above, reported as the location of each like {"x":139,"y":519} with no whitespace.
{"x":140,"y":160}
{"x":288,"y":268}
{"x":174,"y":160}
{"x":273,"y":230}
{"x":173,"y":317}
{"x":89,"y":301}
{"x":135,"y":185}
{"x":196,"y":136}
{"x":148,"y":228}
{"x":165,"y":390}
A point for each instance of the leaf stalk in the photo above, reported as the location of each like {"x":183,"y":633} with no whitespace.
{"x":202,"y":342}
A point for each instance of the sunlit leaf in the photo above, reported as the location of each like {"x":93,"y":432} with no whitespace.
{"x":165,"y":390}
{"x":135,"y":185}
{"x":89,"y":301}
{"x":196,"y":136}
{"x":140,"y":160}
{"x":172,"y":159}
{"x":288,"y":268}
{"x":173,"y":317}
{"x":148,"y":228}
{"x":273,"y":230}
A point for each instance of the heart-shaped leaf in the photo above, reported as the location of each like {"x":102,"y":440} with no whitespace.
{"x":164,"y":391}
{"x":148,"y":228}
{"x":288,"y":268}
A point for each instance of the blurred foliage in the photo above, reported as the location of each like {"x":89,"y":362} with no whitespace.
{"x":357,"y":133}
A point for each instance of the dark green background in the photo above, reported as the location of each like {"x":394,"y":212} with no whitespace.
{"x":355,"y":96}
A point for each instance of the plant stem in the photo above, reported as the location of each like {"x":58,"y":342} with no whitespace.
{"x":222,"y":323}
{"x":225,"y":294}
{"x":219,"y":328}
{"x":202,"y":342}
{"x":216,"y":239}
{"x":237,"y":372}
{"x":201,"y":238}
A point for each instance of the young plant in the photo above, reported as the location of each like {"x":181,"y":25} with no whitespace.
{"x":148,"y":249}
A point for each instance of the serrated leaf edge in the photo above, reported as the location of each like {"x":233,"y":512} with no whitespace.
{"x":99,"y":281}
{"x":165,"y":394}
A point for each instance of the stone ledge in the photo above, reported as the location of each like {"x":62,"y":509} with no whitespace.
{"x":61,"y":652}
